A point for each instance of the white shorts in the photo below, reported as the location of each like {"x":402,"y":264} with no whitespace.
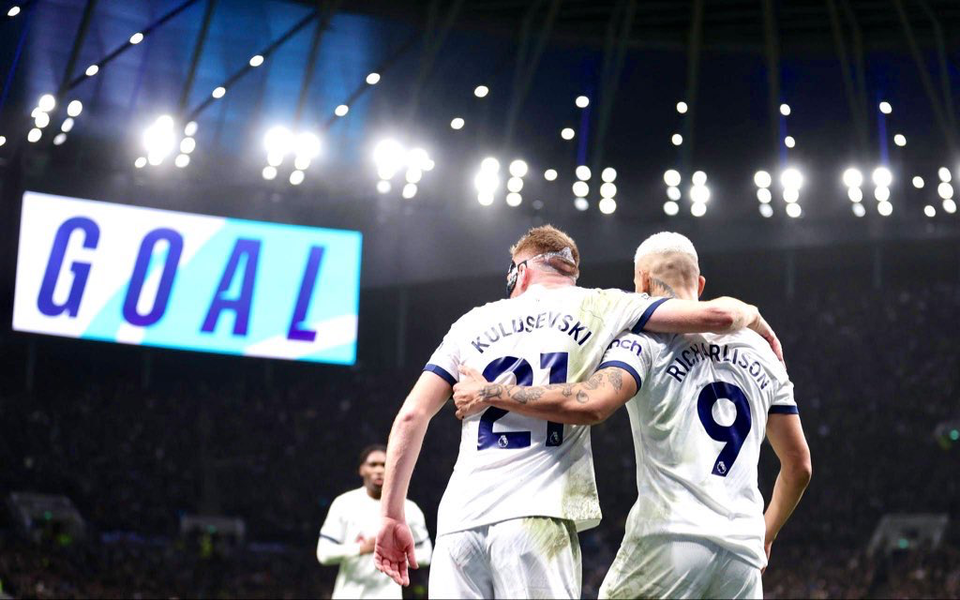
{"x":675,"y":567}
{"x":532,"y":557}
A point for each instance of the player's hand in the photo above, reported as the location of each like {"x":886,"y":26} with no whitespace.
{"x":366,"y":545}
{"x":761,"y":326}
{"x":394,"y":550}
{"x":467,"y":393}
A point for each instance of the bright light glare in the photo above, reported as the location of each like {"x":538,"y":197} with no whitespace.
{"x":414,"y":175}
{"x":218,"y":93}
{"x":34,"y":135}
{"x":389,"y":157}
{"x":882,"y":194}
{"x":550,"y":174}
{"x":671,"y":178}
{"x":609,"y":175}
{"x":514,"y":199}
{"x":852,"y":178}
{"x":766,"y":210}
{"x":341,"y":110}
{"x":74,"y":108}
{"x":481,"y":91}
{"x":674,"y":193}
{"x":275,"y":159}
{"x":885,"y":108}
{"x":518,"y":168}
{"x":485,"y":198}
{"x":301,"y":163}
{"x":47,"y":102}
{"x":608,"y":190}
{"x":581,"y":204}
{"x":373,"y":78}
{"x":567,"y":133}
{"x":699,"y":178}
{"x":762,"y":179}
{"x":3,"y":140}
{"x":457,"y":123}
{"x":855,"y":194}
{"x":900,"y":140}
{"x":700,"y":194}
{"x":764,"y":195}
{"x":885,"y":208}
{"x":791,"y":195}
{"x":409,"y":190}
{"x":789,"y":142}
{"x":42,"y":120}
{"x":182,"y":160}
{"x":14,"y":11}
{"x":859,"y":210}
{"x":950,"y":206}
{"x":794,"y":210}
{"x":514,"y":185}
{"x":607,"y":206}
{"x":682,"y":109}
{"x":676,"y":139}
{"x":671,"y":208}
{"x":383,"y":186}
{"x":882,"y":177}
{"x":59,"y":139}
{"x":582,"y":102}
{"x":698,"y":209}
{"x":141,"y":162}
{"x":490,"y":165}
{"x":487,"y":182}
{"x":583,"y":173}
{"x":278,"y":141}
{"x":296,"y":178}
{"x":92,"y":70}
{"x":581,"y":189}
{"x":136,"y":38}
{"x":269,"y":173}
{"x":159,"y":139}
{"x":945,"y":190}
{"x":256,"y":60}
{"x":944,"y":174}
{"x":918,"y":182}
{"x":187,"y":145}
{"x":930,"y":211}
{"x":785,"y":110}
{"x":190,"y":129}
{"x":791,"y":179}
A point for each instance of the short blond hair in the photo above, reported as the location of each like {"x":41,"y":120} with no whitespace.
{"x":547,"y":239}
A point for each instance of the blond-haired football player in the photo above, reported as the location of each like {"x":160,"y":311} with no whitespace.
{"x":699,"y":405}
{"x":523,"y":487}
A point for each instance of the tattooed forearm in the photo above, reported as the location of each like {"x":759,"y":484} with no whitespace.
{"x":524,"y":394}
{"x":594,"y":382}
{"x":493,"y":391}
{"x":582,"y":397}
{"x":615,"y":377}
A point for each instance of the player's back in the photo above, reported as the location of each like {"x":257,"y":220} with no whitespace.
{"x":699,"y":421}
{"x":511,"y":466}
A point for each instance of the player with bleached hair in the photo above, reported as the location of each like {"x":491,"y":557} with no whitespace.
{"x":699,"y":407}
{"x":523,"y":487}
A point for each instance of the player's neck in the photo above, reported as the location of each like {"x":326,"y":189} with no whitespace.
{"x":373,"y":493}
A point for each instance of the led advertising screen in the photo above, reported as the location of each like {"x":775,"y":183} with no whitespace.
{"x":132,"y":275}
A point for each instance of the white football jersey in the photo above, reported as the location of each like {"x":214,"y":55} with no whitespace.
{"x":353,"y":515}
{"x":509,"y":465}
{"x":699,"y":420}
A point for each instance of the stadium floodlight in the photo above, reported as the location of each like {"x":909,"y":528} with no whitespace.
{"x":671,"y":208}
{"x":159,"y":140}
{"x":47,"y":102}
{"x":852,"y":178}
{"x":766,"y":210}
{"x":487,"y":181}
{"x":301,"y":162}
{"x":182,"y":160}
{"x":383,"y":186}
{"x":519,"y":168}
{"x":581,"y":204}
{"x":855,"y":194}
{"x":882,"y":194}
{"x":14,"y":11}
{"x":791,"y":179}
{"x":278,"y":141}
{"x":945,"y":190}
{"x":457,"y":123}
{"x":490,"y":165}
{"x":699,"y":178}
{"x":190,"y":129}
{"x":296,"y":178}
{"x":567,"y":133}
{"x":674,"y":193}
{"x":269,"y":173}
{"x":188,"y":145}
{"x":219,"y":92}
{"x":950,"y":206}
{"x":699,"y":194}
{"x":607,"y":206}
{"x":418,"y":158}
{"x":885,"y":209}
{"x":789,"y":142}
{"x":550,"y":174}
{"x":92,"y":70}
{"x":944,"y":174}
{"x":514,"y":185}
{"x":341,"y":110}
{"x":3,"y":140}
{"x":481,"y":91}
{"x":698,"y":209}
{"x":275,"y":159}
{"x":676,"y":139}
{"x":682,"y":109}
{"x":581,"y":189}
{"x":307,"y":145}
{"x":885,"y":107}
{"x":514,"y":199}
{"x":609,"y":175}
{"x":764,"y":195}
{"x":918,"y":182}
{"x":141,"y":162}
{"x":794,"y":210}
{"x":409,"y":191}
{"x":900,"y":140}
{"x":256,"y":60}
{"x":608,"y":190}
{"x":136,"y":38}
{"x":74,"y":108}
{"x":414,"y":175}
{"x":930,"y":211}
{"x":859,"y":210}
{"x":41,"y":120}
{"x":154,"y":159}
{"x":373,"y":79}
{"x":791,"y":195}
{"x":485,"y":198}
{"x":671,"y":177}
{"x":785,"y":110}
{"x":389,"y":156}
{"x":583,"y":173}
{"x":882,"y":177}
{"x":59,"y":139}
{"x":762,"y":179}
{"x":582,"y":102}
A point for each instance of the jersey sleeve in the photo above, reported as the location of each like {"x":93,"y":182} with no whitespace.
{"x":630,"y":352}
{"x":632,"y":311}
{"x":445,"y":360}
{"x":334,"y":526}
{"x":783,"y":400}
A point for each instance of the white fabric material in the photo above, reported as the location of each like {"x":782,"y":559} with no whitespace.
{"x":521,"y":558}
{"x":519,"y":466}
{"x":672,"y":567}
{"x":688,"y":482}
{"x":354,"y":515}
{"x":666,"y":242}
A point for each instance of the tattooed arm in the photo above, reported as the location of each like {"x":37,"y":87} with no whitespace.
{"x":585,"y":403}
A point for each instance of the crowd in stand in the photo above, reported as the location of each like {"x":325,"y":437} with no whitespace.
{"x":875,"y":373}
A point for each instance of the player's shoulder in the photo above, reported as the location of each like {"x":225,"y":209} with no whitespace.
{"x":347,"y":499}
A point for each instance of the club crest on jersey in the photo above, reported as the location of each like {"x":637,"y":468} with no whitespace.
{"x":554,"y":438}
{"x":502,"y":442}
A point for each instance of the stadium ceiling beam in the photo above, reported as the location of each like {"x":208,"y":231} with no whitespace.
{"x":615,"y":49}
{"x":528,"y":60}
{"x":197,"y":53}
{"x":935,"y":104}
{"x":772,"y":51}
{"x":82,"y":30}
{"x":322,"y":24}
{"x":857,"y":109}
{"x":434,"y":37}
{"x":694,"y":49}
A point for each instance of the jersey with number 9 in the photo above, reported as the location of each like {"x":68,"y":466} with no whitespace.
{"x":511,"y":466}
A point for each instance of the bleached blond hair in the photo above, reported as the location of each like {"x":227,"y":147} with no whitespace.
{"x":666,"y":242}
